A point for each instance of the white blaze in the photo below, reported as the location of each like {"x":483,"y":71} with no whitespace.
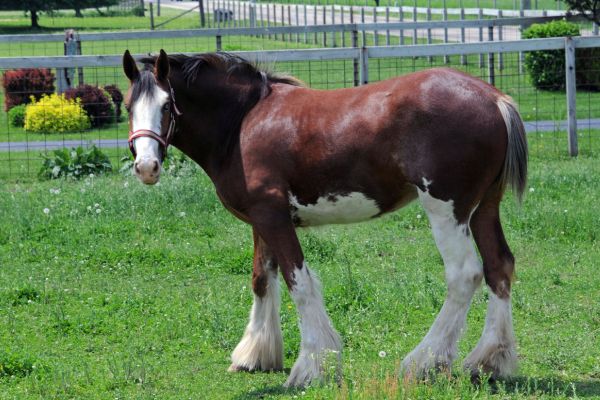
{"x":147,"y":114}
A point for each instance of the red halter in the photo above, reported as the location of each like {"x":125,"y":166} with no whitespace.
{"x":156,"y":136}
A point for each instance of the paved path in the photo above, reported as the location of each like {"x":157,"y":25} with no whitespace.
{"x":264,"y":11}
{"x":530,"y":127}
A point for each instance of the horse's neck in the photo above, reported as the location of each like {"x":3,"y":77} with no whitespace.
{"x":210,"y":137}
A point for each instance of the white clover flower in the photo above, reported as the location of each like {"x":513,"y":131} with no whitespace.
{"x":126,"y":184}
{"x":531,"y":190}
{"x":89,"y":208}
{"x":91,"y":175}
{"x":96,"y":205}
{"x":46,"y":211}
{"x":419,"y":216}
{"x":382,"y":354}
{"x":182,"y":214}
{"x":98,"y":211}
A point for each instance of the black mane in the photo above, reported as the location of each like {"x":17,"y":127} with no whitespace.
{"x":231,"y":66}
{"x":228,"y":63}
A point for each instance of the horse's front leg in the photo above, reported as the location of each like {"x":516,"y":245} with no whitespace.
{"x":319,"y":340}
{"x":261,"y":347}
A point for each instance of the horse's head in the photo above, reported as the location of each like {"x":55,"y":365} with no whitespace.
{"x":151,"y":108}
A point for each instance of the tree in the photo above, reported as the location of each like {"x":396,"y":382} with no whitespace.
{"x":79,"y":5}
{"x":34,"y":7}
{"x":590,"y":9}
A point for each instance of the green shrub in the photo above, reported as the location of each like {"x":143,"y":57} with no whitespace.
{"x":55,"y":113}
{"x":546,"y":68}
{"x":16,"y":116}
{"x":138,"y":11}
{"x":96,"y":102}
{"x":74,"y":163}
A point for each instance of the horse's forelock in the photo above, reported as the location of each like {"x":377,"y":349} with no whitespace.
{"x":144,"y":85}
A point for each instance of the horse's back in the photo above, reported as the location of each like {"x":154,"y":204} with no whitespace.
{"x":352,"y":154}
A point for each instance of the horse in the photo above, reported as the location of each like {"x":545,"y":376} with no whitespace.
{"x":283,"y":156}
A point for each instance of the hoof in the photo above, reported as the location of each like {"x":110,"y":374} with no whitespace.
{"x":314,"y":369}
{"x":422,"y":363}
{"x":495,"y":361}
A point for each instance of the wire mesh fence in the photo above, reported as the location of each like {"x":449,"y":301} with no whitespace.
{"x":544,"y":108}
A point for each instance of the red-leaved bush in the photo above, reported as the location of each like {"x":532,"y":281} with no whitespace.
{"x":117,"y":98}
{"x":95,"y":101}
{"x":19,"y":85}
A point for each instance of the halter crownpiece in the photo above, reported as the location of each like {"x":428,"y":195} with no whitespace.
{"x":156,"y":136}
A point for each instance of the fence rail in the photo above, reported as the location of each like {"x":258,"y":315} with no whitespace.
{"x":274,"y":30}
{"x":349,"y":66}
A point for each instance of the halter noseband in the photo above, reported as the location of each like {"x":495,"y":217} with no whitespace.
{"x":156,"y":136}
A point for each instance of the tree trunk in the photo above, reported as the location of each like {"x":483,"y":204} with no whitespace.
{"x":78,"y":13}
{"x":34,"y":19}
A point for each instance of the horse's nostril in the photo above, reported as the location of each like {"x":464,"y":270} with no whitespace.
{"x":136,"y":168}
{"x":156,"y":166}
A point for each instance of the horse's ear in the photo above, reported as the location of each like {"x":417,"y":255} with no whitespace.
{"x":130,"y":67}
{"x":161,"y":68}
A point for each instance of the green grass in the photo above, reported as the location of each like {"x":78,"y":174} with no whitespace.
{"x":138,"y":301}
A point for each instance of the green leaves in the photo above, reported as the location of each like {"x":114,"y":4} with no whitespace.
{"x":75,"y":163}
{"x":546,"y":68}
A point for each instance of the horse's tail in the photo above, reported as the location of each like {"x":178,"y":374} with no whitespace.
{"x":514,"y":171}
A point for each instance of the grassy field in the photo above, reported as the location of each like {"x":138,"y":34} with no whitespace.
{"x":113,"y":290}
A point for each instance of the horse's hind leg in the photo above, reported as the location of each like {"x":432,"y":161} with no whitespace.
{"x":261,"y":347}
{"x":495,"y":353}
{"x":463,"y":276}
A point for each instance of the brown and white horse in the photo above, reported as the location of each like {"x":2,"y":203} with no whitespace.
{"x":282,"y":156}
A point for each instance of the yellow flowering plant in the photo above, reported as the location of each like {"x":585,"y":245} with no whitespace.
{"x":55,"y":114}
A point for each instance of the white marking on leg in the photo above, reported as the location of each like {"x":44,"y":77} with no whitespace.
{"x":335,"y":209}
{"x":320,"y":341}
{"x":261,"y":347}
{"x":463,"y":275}
{"x":426,"y":183}
{"x":495,"y":352}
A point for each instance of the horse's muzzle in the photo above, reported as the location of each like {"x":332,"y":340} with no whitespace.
{"x":147,"y":170}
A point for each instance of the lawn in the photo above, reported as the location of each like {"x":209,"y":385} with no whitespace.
{"x":120,"y":290}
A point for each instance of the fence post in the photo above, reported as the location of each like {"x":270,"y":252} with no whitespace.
{"x":151,"y":15}
{"x":500,"y":54}
{"x":252,"y":13}
{"x":445,"y":18}
{"x":364,"y":66}
{"x":571,"y":96}
{"x":65,"y":77}
{"x":201,"y":11}
{"x":480,"y":16}
{"x":158,"y":8}
{"x":491,"y":72}
{"x":463,"y":58}
{"x":355,"y":67}
{"x":219,"y":43}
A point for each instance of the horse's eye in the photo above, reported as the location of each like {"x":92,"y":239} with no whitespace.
{"x":166,"y":107}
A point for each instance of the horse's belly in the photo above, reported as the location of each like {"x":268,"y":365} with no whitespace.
{"x":334,"y":209}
